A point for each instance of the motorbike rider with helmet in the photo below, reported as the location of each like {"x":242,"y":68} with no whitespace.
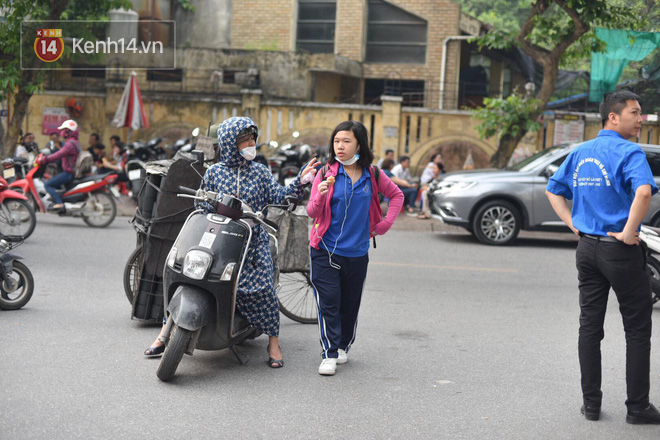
{"x":237,"y":175}
{"x":69,"y":155}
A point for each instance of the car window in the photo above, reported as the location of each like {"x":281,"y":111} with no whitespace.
{"x":654,"y":162}
{"x":560,"y":161}
{"x":533,"y":161}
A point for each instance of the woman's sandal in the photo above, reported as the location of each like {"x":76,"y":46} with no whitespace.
{"x":154,"y":351}
{"x":272,"y":362}
{"x":423,"y":216}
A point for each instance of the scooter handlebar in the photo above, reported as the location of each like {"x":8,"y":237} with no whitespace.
{"x":271,"y":223}
{"x":184,"y":190}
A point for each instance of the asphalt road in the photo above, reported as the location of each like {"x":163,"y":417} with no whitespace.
{"x":456,"y":340}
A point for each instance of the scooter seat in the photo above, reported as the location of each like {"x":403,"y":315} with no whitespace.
{"x":93,"y":177}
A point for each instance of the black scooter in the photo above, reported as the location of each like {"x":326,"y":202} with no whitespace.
{"x":650,"y":238}
{"x":16,"y":281}
{"x":201,"y":278}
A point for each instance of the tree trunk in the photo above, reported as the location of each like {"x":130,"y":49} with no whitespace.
{"x":22,"y":98}
{"x":19,"y":110}
{"x":508,"y":144}
{"x":505,"y":150}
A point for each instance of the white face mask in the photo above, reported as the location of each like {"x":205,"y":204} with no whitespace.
{"x":249,"y":153}
{"x":350,"y":161}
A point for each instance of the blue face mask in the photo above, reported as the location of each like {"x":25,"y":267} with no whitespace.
{"x":350,"y":161}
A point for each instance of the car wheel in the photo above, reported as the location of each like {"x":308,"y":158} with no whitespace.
{"x":496,"y":223}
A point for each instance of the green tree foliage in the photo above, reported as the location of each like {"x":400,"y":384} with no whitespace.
{"x":552,"y":32}
{"x":19,"y":85}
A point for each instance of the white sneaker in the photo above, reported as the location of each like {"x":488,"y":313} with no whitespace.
{"x":343,"y":357}
{"x":328,"y":367}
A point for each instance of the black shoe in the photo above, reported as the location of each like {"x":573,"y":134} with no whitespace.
{"x":650,"y":415}
{"x":590,"y":412}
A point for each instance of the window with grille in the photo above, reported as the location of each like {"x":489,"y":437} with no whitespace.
{"x":394,"y":35}
{"x":316,"y":26}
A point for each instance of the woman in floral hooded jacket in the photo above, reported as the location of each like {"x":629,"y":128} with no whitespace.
{"x":235,"y":174}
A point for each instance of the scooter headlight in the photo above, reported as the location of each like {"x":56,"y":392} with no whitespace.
{"x":171,"y":257}
{"x":196,"y":264}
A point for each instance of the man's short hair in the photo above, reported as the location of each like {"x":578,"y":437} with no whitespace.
{"x":404,"y":158}
{"x":96,"y":135}
{"x":116,"y":138}
{"x":388,"y":151}
{"x":615,"y":102}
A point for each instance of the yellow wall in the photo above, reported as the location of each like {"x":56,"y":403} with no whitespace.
{"x":424,"y":130}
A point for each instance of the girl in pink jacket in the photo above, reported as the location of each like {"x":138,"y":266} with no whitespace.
{"x":346,"y":211}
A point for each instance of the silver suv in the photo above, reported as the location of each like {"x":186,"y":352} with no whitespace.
{"x":495,"y":205}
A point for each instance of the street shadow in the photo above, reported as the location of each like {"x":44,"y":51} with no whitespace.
{"x":520,"y":242}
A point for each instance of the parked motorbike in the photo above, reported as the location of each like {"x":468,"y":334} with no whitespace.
{"x":88,"y":198}
{"x":17,"y":217}
{"x":135,"y":172}
{"x":650,"y":236}
{"x":288,"y":160}
{"x":185,"y":145}
{"x":147,"y":151}
{"x":17,"y":281}
{"x":201,"y":278}
{"x":14,"y":168}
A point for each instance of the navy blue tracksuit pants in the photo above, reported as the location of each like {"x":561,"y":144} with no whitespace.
{"x":338,"y":294}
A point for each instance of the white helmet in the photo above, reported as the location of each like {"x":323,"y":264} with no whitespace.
{"x":70,"y":124}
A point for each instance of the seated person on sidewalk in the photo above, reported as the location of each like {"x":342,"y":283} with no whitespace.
{"x":389,"y":154}
{"x":402,"y":170}
{"x":116,"y":163}
{"x":409,"y":190}
{"x":436,"y":170}
{"x":430,"y":171}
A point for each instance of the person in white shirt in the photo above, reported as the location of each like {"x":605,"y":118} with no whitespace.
{"x":402,"y":170}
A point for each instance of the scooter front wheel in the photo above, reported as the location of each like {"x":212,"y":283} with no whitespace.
{"x":16,"y":297}
{"x":173,"y":353}
{"x":17,"y":218}
{"x":653,"y":269}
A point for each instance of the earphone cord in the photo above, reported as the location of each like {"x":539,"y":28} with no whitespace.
{"x":341,"y":230}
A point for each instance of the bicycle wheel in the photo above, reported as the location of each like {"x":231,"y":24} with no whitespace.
{"x":296,"y":297}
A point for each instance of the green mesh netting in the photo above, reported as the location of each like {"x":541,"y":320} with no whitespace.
{"x":622,"y":47}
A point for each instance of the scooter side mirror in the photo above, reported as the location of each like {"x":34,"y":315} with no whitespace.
{"x":199,"y":156}
{"x":292,"y":202}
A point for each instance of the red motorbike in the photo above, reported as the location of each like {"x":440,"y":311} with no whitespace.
{"x":17,"y":218}
{"x":88,"y":197}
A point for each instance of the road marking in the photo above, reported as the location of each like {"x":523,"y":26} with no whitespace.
{"x":433,"y":266}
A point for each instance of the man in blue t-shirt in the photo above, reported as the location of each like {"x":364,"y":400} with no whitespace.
{"x":611,"y":184}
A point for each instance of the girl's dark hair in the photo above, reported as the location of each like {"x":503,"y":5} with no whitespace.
{"x":360,"y":133}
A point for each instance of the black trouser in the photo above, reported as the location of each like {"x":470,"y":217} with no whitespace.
{"x":338,"y":295}
{"x":602,"y":265}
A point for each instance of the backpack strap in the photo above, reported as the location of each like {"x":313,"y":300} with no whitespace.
{"x":376,"y":173}
{"x":324,"y":170}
